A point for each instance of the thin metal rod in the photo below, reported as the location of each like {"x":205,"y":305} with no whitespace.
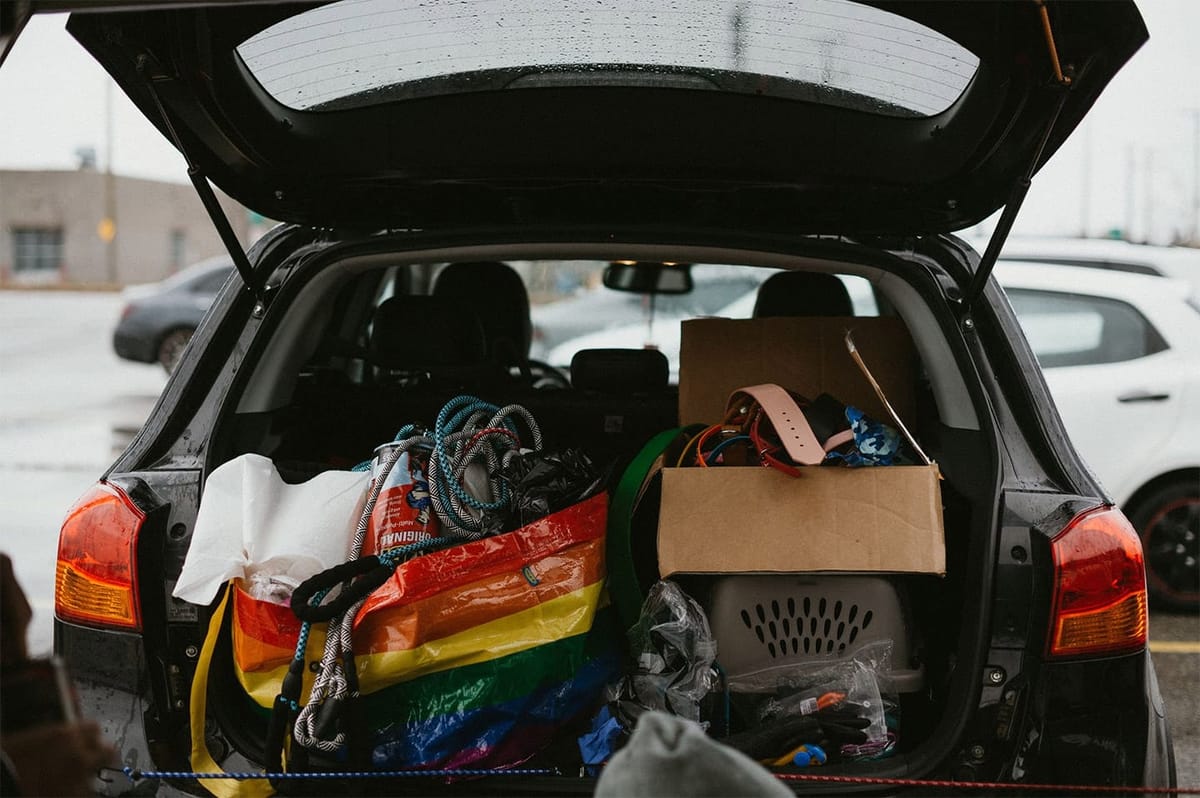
{"x":1009,"y":214}
{"x":207,"y":197}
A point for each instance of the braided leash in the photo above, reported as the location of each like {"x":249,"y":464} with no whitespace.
{"x":942,"y":784}
{"x":469,"y":431}
{"x":134,"y":774}
{"x":332,"y":687}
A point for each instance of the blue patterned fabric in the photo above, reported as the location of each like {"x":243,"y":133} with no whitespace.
{"x":875,"y":443}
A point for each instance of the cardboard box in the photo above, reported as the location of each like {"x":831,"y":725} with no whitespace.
{"x":754,"y":519}
{"x":806,"y":355}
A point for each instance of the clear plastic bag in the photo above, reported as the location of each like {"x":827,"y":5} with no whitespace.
{"x":674,"y":651}
{"x":836,"y":703}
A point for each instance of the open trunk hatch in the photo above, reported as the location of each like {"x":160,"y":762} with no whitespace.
{"x":828,"y":116}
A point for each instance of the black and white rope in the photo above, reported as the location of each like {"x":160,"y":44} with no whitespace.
{"x":331,"y":684}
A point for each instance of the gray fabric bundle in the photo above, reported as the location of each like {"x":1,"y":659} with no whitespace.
{"x":669,"y":756}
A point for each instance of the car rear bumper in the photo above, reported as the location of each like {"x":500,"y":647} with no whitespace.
{"x":132,"y":347}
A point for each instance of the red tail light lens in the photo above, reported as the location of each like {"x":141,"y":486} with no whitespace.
{"x":1100,"y":587}
{"x":96,"y":582}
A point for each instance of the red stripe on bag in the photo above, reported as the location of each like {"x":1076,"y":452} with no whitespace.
{"x":401,"y":624}
{"x":443,"y":571}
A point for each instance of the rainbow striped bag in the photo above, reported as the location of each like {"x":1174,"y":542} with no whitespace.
{"x":474,"y":656}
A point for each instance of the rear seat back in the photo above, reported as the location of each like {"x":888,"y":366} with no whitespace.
{"x":619,"y":399}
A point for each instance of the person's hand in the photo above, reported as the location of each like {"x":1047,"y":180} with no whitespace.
{"x":58,"y":759}
{"x":15,"y":615}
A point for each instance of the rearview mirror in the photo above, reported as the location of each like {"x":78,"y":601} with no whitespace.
{"x":646,"y":277}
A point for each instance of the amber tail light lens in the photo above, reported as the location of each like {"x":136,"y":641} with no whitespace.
{"x":96,"y":580}
{"x":1100,"y":587}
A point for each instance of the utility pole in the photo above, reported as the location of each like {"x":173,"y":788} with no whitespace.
{"x":1195,"y":236}
{"x":1085,"y":182}
{"x":108,"y":227}
{"x":1148,"y":204}
{"x":1130,"y":189}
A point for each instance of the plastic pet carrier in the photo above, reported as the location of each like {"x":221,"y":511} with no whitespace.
{"x":766,"y":620}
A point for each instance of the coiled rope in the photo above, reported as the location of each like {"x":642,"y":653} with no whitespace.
{"x":336,"y":682}
{"x":469,"y":431}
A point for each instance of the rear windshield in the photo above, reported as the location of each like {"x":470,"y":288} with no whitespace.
{"x":361,"y":52}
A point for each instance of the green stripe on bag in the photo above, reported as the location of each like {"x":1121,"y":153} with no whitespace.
{"x":493,"y":682}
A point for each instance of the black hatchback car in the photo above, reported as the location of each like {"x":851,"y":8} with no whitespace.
{"x":826,"y":137}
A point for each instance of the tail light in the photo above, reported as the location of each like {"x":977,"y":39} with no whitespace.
{"x":1100,"y":587}
{"x":96,"y":581}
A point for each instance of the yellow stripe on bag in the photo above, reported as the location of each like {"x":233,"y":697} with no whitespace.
{"x":202,"y":759}
{"x":559,"y":618}
{"x":263,"y":686}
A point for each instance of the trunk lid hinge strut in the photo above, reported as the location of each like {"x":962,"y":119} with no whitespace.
{"x":1021,"y":188}
{"x":204,"y":190}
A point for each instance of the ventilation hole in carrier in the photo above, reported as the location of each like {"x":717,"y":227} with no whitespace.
{"x":828,"y":626}
{"x":774,"y":629}
{"x":791,"y":606}
{"x":841,"y":630}
{"x":771,"y":649}
{"x":787,"y":627}
{"x":746,"y":620}
{"x":758,"y":631}
{"x":866,"y":619}
{"x":853,"y":633}
{"x":762,"y":616}
{"x":841,"y":648}
{"x":822,"y":606}
{"x":795,"y":645}
{"x":775,"y":608}
{"x":853,"y":613}
{"x":837,"y":610}
{"x":812,"y":625}
{"x":829,"y":646}
{"x":807,"y":606}
{"x":807,"y":645}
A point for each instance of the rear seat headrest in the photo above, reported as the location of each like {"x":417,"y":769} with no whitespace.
{"x":423,"y":333}
{"x":620,"y":370}
{"x":802,"y":294}
{"x":496,"y":295}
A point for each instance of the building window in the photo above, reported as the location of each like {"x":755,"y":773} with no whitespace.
{"x":36,"y":250}
{"x":178,"y":249}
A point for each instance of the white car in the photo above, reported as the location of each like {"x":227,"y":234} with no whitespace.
{"x":1111,"y":255}
{"x":664,"y":334}
{"x":1121,"y":355}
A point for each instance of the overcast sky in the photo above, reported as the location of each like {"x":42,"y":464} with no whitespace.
{"x":1142,"y":136}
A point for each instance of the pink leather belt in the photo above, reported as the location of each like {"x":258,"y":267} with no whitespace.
{"x":790,"y":425}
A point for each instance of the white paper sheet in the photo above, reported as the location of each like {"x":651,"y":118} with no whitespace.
{"x":251,"y":522}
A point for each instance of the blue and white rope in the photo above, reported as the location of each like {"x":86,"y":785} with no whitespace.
{"x":134,"y":774}
{"x":459,"y":444}
{"x":331,"y":681}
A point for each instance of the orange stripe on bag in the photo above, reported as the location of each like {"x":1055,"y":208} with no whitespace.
{"x":410,"y":625}
{"x":444,"y":571}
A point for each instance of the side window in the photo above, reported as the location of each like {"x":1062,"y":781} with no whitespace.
{"x":211,"y":283}
{"x":1077,"y":330}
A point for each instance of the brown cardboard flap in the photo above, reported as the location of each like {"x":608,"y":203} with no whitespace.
{"x":753,"y":519}
{"x":807,"y":355}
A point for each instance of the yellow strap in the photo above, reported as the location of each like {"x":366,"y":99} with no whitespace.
{"x":202,"y":760}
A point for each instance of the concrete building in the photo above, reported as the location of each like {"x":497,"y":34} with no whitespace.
{"x":56,"y":228}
